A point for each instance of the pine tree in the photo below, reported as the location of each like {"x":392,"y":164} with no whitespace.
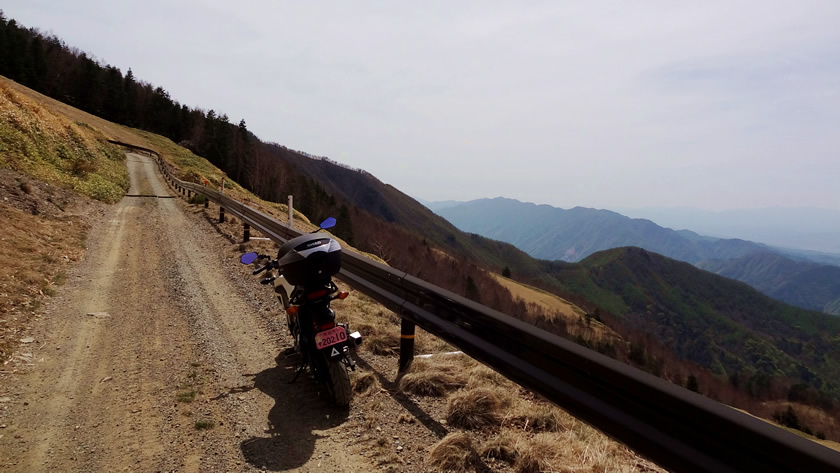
{"x":691,"y":384}
{"x":344,"y":225}
{"x":471,"y":291}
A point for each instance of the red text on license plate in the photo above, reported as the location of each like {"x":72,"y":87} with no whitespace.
{"x":330,"y":337}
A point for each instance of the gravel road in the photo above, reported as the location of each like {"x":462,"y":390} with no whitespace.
{"x":156,"y":357}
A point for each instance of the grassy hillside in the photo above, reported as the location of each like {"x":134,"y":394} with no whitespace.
{"x":50,"y":147}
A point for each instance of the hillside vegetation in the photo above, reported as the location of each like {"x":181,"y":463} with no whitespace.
{"x":54,"y":149}
{"x":807,"y":285}
{"x":721,"y":324}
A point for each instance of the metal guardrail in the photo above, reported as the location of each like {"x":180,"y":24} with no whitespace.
{"x":678,"y":429}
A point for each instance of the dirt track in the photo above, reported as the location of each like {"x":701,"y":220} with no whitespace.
{"x":150,"y":340}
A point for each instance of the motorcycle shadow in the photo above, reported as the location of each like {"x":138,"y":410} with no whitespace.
{"x":299,"y":412}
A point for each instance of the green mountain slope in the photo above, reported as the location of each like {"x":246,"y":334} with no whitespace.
{"x":808,"y":285}
{"x":719,"y":323}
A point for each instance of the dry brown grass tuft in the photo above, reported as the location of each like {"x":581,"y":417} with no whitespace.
{"x":504,"y":447}
{"x":453,"y":453}
{"x":481,"y":375}
{"x":541,"y":417}
{"x":34,"y":253}
{"x":543,"y":452}
{"x":429,"y":378}
{"x":381,"y":343}
{"x":365,"y":384}
{"x":476,"y":408}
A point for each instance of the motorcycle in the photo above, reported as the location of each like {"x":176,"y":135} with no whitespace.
{"x":302,"y":276}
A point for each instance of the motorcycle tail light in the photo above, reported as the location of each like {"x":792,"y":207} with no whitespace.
{"x":292,"y":310}
{"x":327,"y":325}
{"x":317,"y":294}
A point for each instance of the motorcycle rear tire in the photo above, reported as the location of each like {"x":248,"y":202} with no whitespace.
{"x":339,"y":383}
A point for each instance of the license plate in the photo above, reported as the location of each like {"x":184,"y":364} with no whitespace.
{"x":330,"y":337}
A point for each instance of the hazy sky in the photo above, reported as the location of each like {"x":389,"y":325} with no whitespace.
{"x":721,"y":104}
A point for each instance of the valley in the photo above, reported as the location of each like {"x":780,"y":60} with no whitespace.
{"x":805,"y":279}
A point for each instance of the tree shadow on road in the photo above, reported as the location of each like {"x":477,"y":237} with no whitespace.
{"x":299,"y":411}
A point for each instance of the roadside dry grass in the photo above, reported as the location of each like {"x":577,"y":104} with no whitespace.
{"x":433,"y":378}
{"x":454,"y":453}
{"x":37,"y":242}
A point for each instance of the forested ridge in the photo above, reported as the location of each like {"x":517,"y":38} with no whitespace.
{"x":379,"y":219}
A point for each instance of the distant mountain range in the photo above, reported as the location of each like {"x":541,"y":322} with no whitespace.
{"x":571,"y":235}
{"x":803,"y":227}
{"x":439,"y":205}
{"x":552,"y":233}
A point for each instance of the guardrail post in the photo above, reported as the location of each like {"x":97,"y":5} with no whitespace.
{"x":406,"y":344}
{"x":247,"y":236}
{"x":221,"y":215}
{"x":206,"y":203}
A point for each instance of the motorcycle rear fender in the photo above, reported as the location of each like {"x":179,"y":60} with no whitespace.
{"x":283,"y":290}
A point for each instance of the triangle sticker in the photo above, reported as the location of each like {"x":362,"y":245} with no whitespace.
{"x":334,"y":352}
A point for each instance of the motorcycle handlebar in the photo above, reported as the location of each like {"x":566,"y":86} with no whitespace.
{"x":266,"y":266}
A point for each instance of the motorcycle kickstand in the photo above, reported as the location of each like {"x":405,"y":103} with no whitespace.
{"x":299,"y":371}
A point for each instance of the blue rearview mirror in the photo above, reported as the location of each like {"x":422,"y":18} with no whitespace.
{"x":328,"y":223}
{"x":248,"y":258}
